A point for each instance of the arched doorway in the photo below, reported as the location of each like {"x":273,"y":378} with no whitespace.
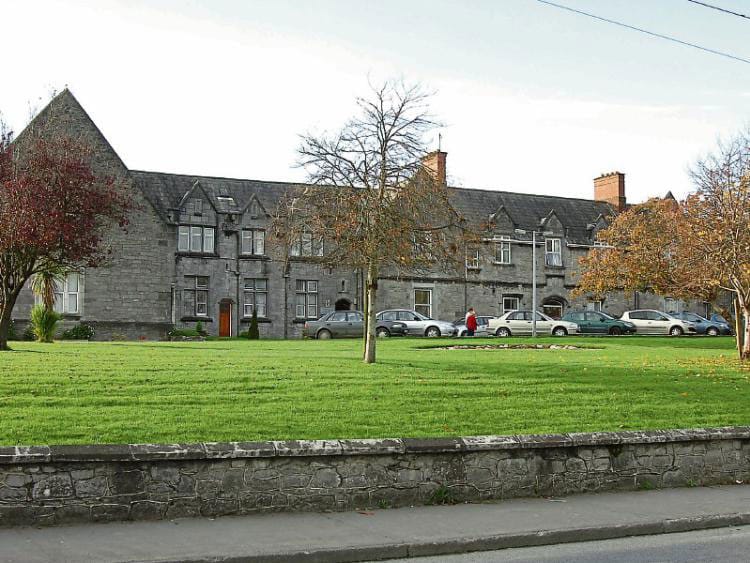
{"x":553,"y":307}
{"x":343,"y":305}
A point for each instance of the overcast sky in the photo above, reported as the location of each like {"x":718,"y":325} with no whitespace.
{"x":535,"y":99}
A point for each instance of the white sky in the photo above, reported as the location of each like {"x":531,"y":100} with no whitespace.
{"x":534,"y":99}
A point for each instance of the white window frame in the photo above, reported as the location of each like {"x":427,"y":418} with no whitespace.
{"x":68,"y":295}
{"x":196,"y":239}
{"x":253,"y":242}
{"x":307,"y":245}
{"x":502,"y":251}
{"x":473,"y":259}
{"x":306,"y":305}
{"x":553,"y":252}
{"x":595,"y":306}
{"x":513,"y":299}
{"x":421,"y":307}
{"x":255,"y":297}
{"x":198,"y":289}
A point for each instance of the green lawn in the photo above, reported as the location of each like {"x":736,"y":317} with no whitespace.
{"x":242,"y":390}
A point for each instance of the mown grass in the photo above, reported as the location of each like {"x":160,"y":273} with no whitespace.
{"x":257,"y":390}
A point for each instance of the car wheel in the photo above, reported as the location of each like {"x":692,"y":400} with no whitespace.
{"x":712,"y":331}
{"x":676,"y":331}
{"x":325,"y":335}
{"x":382,"y":332}
{"x":502,"y":332}
{"x":560,"y":331}
{"x":432,"y":332}
{"x":615,"y":331}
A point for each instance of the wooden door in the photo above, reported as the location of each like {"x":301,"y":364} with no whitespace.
{"x":225,"y":319}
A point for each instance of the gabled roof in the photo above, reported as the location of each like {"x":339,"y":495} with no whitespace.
{"x":167,"y":191}
{"x":527,"y":210}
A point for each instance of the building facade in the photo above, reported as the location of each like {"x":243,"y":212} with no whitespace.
{"x":200,"y":249}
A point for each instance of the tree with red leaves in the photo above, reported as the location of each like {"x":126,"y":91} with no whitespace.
{"x":54,"y":212}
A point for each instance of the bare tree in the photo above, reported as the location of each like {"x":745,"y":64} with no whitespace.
{"x":370,"y":197}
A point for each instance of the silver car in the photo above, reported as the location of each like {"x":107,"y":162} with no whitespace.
{"x":418,"y":324}
{"x":650,"y":321}
{"x":482,"y":322}
{"x":520,"y":323}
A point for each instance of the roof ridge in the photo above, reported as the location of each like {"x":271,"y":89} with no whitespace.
{"x":283,"y":182}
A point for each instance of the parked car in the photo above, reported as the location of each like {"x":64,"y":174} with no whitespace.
{"x":418,"y":324}
{"x":595,"y":322}
{"x":482,"y":321}
{"x":705,"y":326}
{"x":348,"y":324}
{"x":518,"y":323}
{"x":650,"y":321}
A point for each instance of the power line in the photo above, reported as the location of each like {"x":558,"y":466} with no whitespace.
{"x":641,"y":30}
{"x":720,"y":9}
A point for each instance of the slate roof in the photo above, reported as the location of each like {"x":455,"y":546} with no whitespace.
{"x":166,"y":191}
{"x":527,"y":210}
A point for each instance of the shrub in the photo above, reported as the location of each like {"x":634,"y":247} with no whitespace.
{"x":44,"y":321}
{"x":199,"y":328}
{"x":183,"y":332}
{"x":253,"y":333}
{"x":12,"y":330}
{"x":28,"y":333}
{"x":79,"y":332}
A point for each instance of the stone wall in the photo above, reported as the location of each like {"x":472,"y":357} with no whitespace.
{"x":46,"y":485}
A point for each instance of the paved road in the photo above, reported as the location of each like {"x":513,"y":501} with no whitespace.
{"x":728,"y":545}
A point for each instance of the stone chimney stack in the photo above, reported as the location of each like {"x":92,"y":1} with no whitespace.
{"x":611,"y":188}
{"x":434,"y":162}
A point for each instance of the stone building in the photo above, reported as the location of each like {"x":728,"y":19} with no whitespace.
{"x":199,"y":249}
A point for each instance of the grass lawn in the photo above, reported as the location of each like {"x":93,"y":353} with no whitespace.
{"x":83,"y":392}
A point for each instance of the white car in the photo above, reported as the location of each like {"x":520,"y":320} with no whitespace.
{"x":650,"y":321}
{"x":418,"y":324}
{"x":519,"y":323}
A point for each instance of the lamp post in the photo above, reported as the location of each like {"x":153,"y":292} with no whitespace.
{"x":533,"y":275}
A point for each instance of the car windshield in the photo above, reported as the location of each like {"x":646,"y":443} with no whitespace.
{"x":422,"y":317}
{"x":719,"y":319}
{"x":693,"y":317}
{"x":606,"y":316}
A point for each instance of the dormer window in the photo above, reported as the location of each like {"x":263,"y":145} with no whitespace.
{"x":553,"y":252}
{"x":225,"y":199}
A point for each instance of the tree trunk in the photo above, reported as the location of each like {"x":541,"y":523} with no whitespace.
{"x":5,"y":317}
{"x":745,"y":332}
{"x":371,"y":289}
{"x":739,"y":329}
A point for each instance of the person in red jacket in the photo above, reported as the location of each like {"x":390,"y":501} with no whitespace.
{"x":471,"y":321}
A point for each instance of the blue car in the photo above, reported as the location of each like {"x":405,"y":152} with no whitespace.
{"x":704,"y":326}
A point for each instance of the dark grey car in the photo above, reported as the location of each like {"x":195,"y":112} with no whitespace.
{"x":348,"y":324}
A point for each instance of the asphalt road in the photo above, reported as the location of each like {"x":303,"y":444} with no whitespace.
{"x":720,"y":545}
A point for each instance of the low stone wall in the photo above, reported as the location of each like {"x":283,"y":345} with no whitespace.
{"x":41,"y":485}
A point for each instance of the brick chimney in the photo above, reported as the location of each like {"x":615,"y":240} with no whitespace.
{"x":611,"y":188}
{"x":434,"y":162}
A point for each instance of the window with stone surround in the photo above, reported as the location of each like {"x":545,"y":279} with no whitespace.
{"x":307,"y":244}
{"x":195,"y":296}
{"x":423,"y":301}
{"x":553,"y":252}
{"x":68,"y":294}
{"x":254,"y":242}
{"x":502,"y":251}
{"x":256,"y":297}
{"x":307,"y":299}
{"x":510,"y":304}
{"x":195,"y":239}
